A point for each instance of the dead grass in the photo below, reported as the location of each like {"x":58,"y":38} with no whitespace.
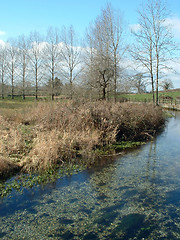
{"x":53,"y":133}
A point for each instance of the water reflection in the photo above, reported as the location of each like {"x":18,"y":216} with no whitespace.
{"x":133,"y":197}
{"x":151,"y":162}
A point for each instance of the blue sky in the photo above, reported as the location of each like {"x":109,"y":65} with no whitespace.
{"x":23,"y":16}
{"x":19,"y":17}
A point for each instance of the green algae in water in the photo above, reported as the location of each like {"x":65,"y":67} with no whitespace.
{"x":173,"y":197}
{"x":22,"y":181}
{"x":118,"y":147}
{"x":2,"y":234}
{"x":107,"y":218}
{"x":131,"y":222}
{"x":129,"y":225}
{"x":91,"y":236}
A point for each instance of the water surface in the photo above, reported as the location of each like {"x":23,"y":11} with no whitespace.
{"x":136,"y":196}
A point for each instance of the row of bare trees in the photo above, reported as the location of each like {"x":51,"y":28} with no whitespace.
{"x":99,"y":64}
{"x":39,"y":60}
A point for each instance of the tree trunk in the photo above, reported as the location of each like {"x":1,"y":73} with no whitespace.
{"x":152,"y":84}
{"x":71,"y":86}
{"x":23,"y":81}
{"x":157,"y":80}
{"x":2,"y":81}
{"x":151,"y":71}
{"x":12,"y":83}
{"x":104,"y":87}
{"x":36,"y":91}
{"x":52,"y":97}
{"x":115,"y":77}
{"x":23,"y":87}
{"x":104,"y":93}
{"x":52,"y":84}
{"x":12,"y":89}
{"x":52,"y":90}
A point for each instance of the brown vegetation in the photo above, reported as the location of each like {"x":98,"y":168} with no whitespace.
{"x":54,"y":133}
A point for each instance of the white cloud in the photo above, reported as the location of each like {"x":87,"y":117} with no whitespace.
{"x":173,"y":73}
{"x":2,"y":43}
{"x":135,"y":27}
{"x":175,"y":23}
{"x":38,"y":46}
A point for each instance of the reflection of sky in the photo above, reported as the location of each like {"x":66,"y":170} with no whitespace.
{"x":158,"y":160}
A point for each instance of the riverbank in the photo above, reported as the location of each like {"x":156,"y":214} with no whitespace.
{"x":52,"y":134}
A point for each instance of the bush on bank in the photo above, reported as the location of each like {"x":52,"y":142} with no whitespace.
{"x":56,"y":133}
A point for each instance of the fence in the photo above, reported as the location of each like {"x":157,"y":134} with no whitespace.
{"x":170,"y":101}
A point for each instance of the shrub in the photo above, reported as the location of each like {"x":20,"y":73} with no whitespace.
{"x":54,"y":133}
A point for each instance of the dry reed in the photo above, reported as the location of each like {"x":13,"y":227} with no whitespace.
{"x":58,"y":132}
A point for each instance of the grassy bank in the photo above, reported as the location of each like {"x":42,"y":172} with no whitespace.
{"x":46,"y":134}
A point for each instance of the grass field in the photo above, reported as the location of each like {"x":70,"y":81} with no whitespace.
{"x":147,"y":97}
{"x":19,"y":103}
{"x":10,"y":106}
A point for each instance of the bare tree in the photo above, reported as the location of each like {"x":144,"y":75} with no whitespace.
{"x":12,"y":55}
{"x":89,"y":77}
{"x":23,"y":45}
{"x":154,"y":40}
{"x":71,"y":56}
{"x":99,"y":62}
{"x":125,"y":84}
{"x":36,"y":58}
{"x":163,"y":39}
{"x":114,"y":29}
{"x":3,"y":67}
{"x":105,"y":38}
{"x":166,"y":84}
{"x":140,"y":82}
{"x":104,"y":72}
{"x":142,"y":51}
{"x":52,"y":57}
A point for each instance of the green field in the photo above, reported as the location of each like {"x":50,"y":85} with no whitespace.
{"x":147,"y":97}
{"x":16,"y":104}
{"x":19,"y":103}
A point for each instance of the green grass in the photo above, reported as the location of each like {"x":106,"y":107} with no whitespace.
{"x":118,"y":147}
{"x":170,"y":94}
{"x":137,"y":97}
{"x":15,"y":103}
{"x":148,"y":96}
{"x":9,"y":106}
{"x":18,"y":103}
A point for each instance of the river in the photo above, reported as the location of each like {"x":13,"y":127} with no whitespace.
{"x":135,"y":196}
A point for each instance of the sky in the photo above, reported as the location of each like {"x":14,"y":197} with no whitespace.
{"x":19,"y":17}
